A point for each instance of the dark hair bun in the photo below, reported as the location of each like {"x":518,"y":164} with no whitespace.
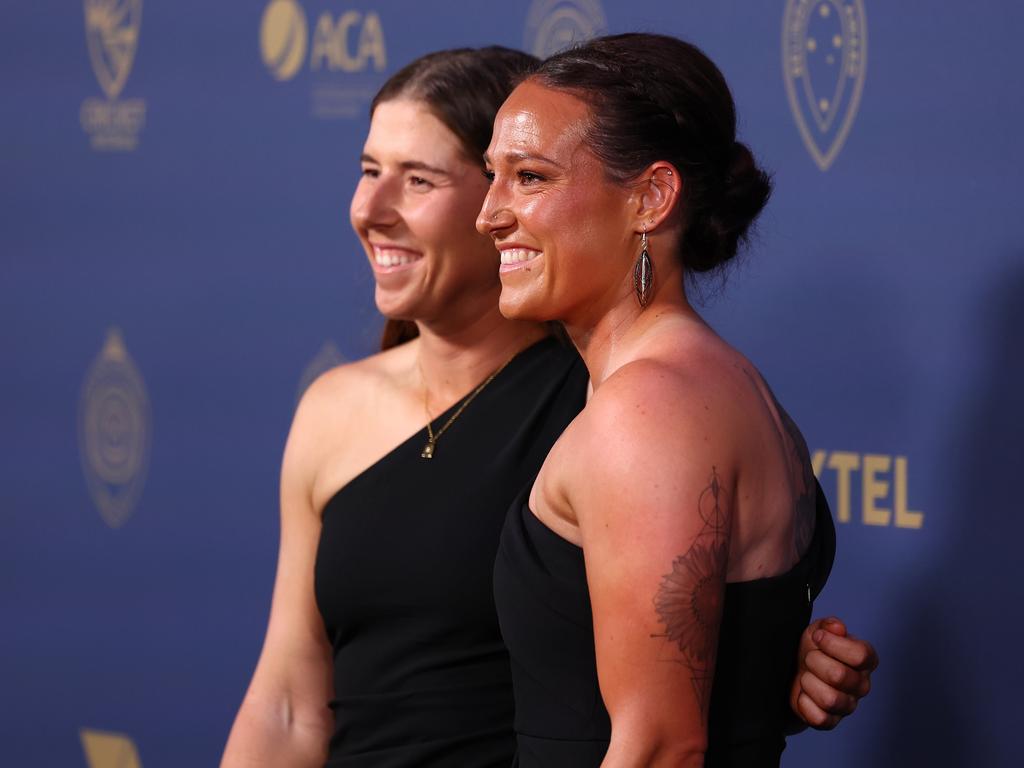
{"x":714,"y":238}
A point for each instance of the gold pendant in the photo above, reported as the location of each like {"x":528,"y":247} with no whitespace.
{"x":428,"y":450}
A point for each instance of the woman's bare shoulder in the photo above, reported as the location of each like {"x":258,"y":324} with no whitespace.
{"x":689,"y":400}
{"x":693,"y":381}
{"x":345,"y":388}
{"x":343,"y":399}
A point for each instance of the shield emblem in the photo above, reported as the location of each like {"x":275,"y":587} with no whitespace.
{"x":112,"y":32}
{"x":824,"y":62}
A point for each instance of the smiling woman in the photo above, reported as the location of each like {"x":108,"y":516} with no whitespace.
{"x":413,"y":211}
{"x":383,"y":646}
{"x":538,"y":153}
{"x":653,"y":583}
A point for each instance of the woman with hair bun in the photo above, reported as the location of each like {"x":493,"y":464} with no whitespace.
{"x":653,"y":584}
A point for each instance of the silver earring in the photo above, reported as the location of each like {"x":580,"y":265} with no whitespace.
{"x":643,"y":274}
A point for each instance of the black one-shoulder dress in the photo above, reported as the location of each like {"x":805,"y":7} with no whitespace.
{"x":404,"y":576}
{"x":545,"y":614}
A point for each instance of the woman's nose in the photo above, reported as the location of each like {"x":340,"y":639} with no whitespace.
{"x":374,"y":204}
{"x":494,"y":215}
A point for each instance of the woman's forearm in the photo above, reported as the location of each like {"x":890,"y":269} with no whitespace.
{"x":650,"y":744}
{"x":275,"y":733}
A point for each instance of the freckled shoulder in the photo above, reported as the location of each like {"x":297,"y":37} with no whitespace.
{"x":650,"y":399}
{"x":649,"y":425}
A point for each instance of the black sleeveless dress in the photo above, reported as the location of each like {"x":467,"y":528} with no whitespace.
{"x":404,"y":570}
{"x":544,"y":608}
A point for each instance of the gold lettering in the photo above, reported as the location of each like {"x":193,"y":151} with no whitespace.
{"x":817,"y":463}
{"x":905,"y":518}
{"x":331,"y":43}
{"x":843,"y":463}
{"x":343,"y":60}
{"x":371,"y":43}
{"x":873,"y":489}
{"x":323,"y":41}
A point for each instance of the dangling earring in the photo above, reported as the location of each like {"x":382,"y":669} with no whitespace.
{"x":643,"y":274}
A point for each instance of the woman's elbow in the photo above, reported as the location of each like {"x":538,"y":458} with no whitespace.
{"x":268,"y":730}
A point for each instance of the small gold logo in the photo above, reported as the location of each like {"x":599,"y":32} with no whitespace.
{"x":346,"y":55}
{"x":824,"y":63}
{"x":109,"y":750}
{"x":554,"y":25}
{"x":114,"y":431}
{"x":328,"y":357}
{"x":112,"y":33}
{"x":283,"y":36}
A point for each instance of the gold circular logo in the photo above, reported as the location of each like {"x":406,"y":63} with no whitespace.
{"x":283,"y":36}
{"x":113,"y":429}
{"x":554,"y":25}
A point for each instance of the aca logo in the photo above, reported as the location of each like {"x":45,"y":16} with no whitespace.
{"x":328,"y":357}
{"x":344,"y":54}
{"x":824,"y":62}
{"x":109,"y":750}
{"x":283,"y":36}
{"x":112,"y":34}
{"x":554,"y":25}
{"x":114,"y":431}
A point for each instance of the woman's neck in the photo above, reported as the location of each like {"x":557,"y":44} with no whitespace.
{"x":611,"y":338}
{"x":451,"y":363}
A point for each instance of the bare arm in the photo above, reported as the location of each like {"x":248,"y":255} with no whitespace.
{"x":284,"y":718}
{"x":833,"y":674}
{"x":654,"y":513}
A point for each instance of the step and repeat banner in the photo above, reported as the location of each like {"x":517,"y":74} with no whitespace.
{"x":176,"y":265}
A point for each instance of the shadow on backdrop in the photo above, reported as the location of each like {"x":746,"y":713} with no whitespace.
{"x":960,"y":630}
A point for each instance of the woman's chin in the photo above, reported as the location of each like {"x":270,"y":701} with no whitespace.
{"x":514,"y":306}
{"x":392,"y":306}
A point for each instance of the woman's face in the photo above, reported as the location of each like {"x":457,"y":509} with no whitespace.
{"x":414,"y":210}
{"x":561,"y":226}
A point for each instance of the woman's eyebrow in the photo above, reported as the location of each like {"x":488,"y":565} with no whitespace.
{"x":407,"y":165}
{"x":516,"y":157}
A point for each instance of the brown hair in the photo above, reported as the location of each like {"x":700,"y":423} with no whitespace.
{"x":463,"y":88}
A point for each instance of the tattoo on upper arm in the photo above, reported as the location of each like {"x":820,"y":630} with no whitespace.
{"x":689,"y":600}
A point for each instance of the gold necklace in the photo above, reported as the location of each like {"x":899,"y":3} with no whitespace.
{"x":433,"y":437}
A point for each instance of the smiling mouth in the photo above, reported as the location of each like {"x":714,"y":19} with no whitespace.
{"x":389,"y":258}
{"x":513,"y":258}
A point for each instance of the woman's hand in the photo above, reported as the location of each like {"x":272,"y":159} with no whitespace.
{"x":833,"y":674}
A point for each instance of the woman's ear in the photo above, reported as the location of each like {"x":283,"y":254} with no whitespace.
{"x":658,"y":193}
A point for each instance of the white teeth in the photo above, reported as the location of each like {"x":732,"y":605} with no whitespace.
{"x":515,"y":255}
{"x":389,"y":257}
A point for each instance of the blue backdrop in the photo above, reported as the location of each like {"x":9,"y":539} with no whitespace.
{"x":177,"y":263}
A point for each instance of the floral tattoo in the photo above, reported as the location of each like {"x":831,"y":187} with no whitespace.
{"x":689,"y":600}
